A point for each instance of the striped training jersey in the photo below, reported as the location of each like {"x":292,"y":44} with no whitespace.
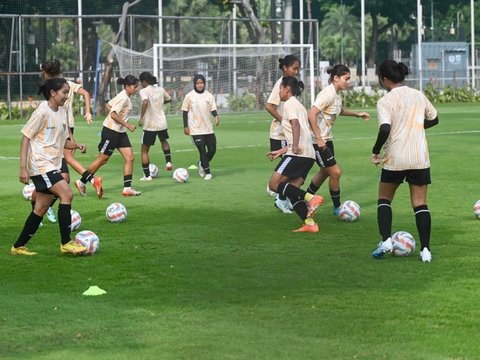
{"x":330,"y":105}
{"x":405,"y":109}
{"x":74,"y":88}
{"x":293,"y":109}
{"x":199,"y":107}
{"x":276,"y":131}
{"x":122,"y":105}
{"x":154,"y":117}
{"x":48,"y":132}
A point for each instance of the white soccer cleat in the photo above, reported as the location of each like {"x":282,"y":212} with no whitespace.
{"x":168,"y":166}
{"x":201,"y":171}
{"x":146,"y":178}
{"x":383,"y":248}
{"x":426,"y":255}
{"x":283,"y":206}
{"x":208,"y":177}
{"x":271,"y":193}
{"x":51,"y":215}
{"x":128,"y":191}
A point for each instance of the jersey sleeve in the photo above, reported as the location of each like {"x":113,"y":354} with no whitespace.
{"x":274,"y":97}
{"x":383,"y":113}
{"x":166,"y":95}
{"x":186,"y":103}
{"x":143,"y":94}
{"x":34,"y":124}
{"x":213,"y":107}
{"x":118,"y":106}
{"x":322,"y":100}
{"x":289,"y":112}
{"x":430,"y":111}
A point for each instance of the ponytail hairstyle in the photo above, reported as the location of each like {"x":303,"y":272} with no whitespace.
{"x":294,"y":84}
{"x":148,"y":78}
{"x":287,"y":61}
{"x":393,"y":71}
{"x":54,"y":84}
{"x":128,"y":80}
{"x":337,"y":70}
{"x":52,"y":67}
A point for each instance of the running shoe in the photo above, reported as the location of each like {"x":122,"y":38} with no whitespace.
{"x":72,"y":248}
{"x":426,"y":255}
{"x":201,"y":171}
{"x":282,"y":205}
{"x":313,"y":204}
{"x":308,"y":228}
{"x":168,"y":166}
{"x":51,"y":215}
{"x":146,"y":178}
{"x":383,"y":248}
{"x":21,"y":250}
{"x":81,"y":187}
{"x":128,"y":191}
{"x":208,"y":177}
{"x":336,"y":211}
{"x":97,"y":184}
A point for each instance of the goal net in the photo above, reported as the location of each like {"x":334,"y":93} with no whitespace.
{"x":240,"y":77}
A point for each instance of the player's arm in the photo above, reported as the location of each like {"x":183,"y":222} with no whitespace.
{"x":430,"y":123}
{"x":272,"y":110}
{"x":166,"y":97}
{"x":142,"y":112}
{"x":272,"y":155}
{"x":382,"y":137}
{"x":215,"y":117}
{"x":362,"y":114}
{"x":23,"y":174}
{"x":296,"y":136}
{"x":186,"y":130}
{"x":88,"y":112}
{"x":71,"y":145}
{"x":312,"y":120}
{"x":117,"y":118}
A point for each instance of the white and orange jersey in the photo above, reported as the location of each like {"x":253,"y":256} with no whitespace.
{"x":154,"y":117}
{"x":199,"y":107}
{"x":122,"y":105}
{"x":405,"y":109}
{"x":276,"y":131}
{"x":293,"y":109}
{"x":330,"y":105}
{"x":74,"y":88}
{"x":48,"y":132}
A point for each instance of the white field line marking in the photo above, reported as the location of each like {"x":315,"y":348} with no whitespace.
{"x":194,"y":149}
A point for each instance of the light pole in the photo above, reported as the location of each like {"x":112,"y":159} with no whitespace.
{"x":472,"y":29}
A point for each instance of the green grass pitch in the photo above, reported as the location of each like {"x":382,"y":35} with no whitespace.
{"x":211,"y":270}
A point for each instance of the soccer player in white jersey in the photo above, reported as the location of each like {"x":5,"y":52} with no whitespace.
{"x":153,"y":121}
{"x":197,"y":107}
{"x":52,"y":69}
{"x":289,"y":65}
{"x":325,"y":110}
{"x":45,"y":135}
{"x":298,"y":156}
{"x":403,"y":115}
{"x":114,"y":136}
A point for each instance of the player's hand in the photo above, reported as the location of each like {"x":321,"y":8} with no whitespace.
{"x":23,"y":176}
{"x":296,"y":150}
{"x":375,"y":159}
{"x":82,"y":148}
{"x":217,"y":121}
{"x":141,"y":122}
{"x":131,"y":127}
{"x":186,"y":131}
{"x":272,"y":155}
{"x":364,"y":115}
{"x":88,"y":116}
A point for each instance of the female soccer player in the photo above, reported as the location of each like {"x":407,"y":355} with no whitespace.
{"x":115,"y":137}
{"x":45,"y":135}
{"x":292,"y":170}
{"x":52,"y":69}
{"x":403,"y":114}
{"x":153,"y":120}
{"x":325,"y":109}
{"x":289,"y":65}
{"x":197,"y":107}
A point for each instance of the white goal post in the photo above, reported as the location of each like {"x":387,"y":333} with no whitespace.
{"x":232,"y":71}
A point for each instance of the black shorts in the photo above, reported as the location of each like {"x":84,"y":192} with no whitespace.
{"x":64,"y":168}
{"x":208,"y":140}
{"x":325,"y":158}
{"x":149,"y":137}
{"x":277,"y":144}
{"x":294,"y":167}
{"x":45,"y":181}
{"x":415,"y":177}
{"x":112,"y":140}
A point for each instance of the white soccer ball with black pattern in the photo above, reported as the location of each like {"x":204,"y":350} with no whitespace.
{"x":403,"y":243}
{"x":28,"y":191}
{"x":116,"y":212}
{"x":180,"y":175}
{"x":476,"y":209}
{"x":349,"y":211}
{"x":76,"y":220}
{"x":153,"y":170}
{"x":88,"y":239}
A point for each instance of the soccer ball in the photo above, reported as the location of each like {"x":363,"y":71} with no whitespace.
{"x":403,"y":243}
{"x":349,"y":211}
{"x":180,"y":175}
{"x":116,"y":212}
{"x":28,"y":191}
{"x":476,"y":209}
{"x":76,"y":220}
{"x":88,"y":239}
{"x":153,"y":170}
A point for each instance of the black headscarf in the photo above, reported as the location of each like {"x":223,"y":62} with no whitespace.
{"x":198,"y":77}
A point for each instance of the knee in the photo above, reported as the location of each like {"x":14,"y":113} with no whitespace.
{"x":336,"y":173}
{"x":273,"y":185}
{"x":66,"y":196}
